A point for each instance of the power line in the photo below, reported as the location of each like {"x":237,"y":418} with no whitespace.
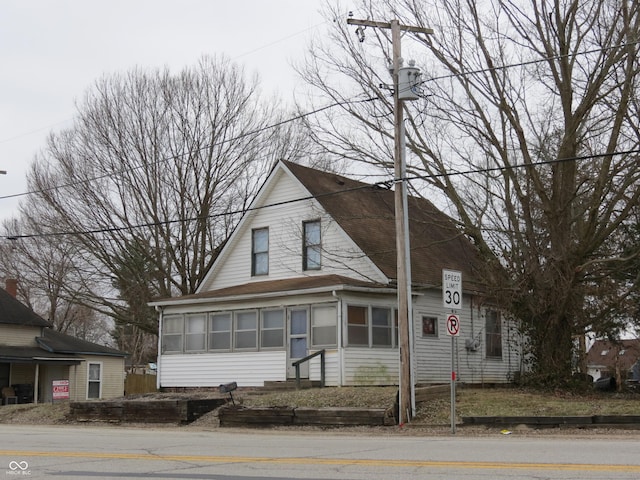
{"x":383,"y":184}
{"x":177,"y":157}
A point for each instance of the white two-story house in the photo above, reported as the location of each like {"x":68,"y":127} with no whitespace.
{"x":311,"y":267}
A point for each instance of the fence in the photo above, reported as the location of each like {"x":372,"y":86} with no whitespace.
{"x":136,"y":383}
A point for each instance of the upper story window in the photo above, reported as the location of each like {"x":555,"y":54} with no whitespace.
{"x":260,"y":251}
{"x":493,"y":329}
{"x":311,"y":246}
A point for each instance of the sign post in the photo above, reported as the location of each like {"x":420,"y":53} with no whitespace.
{"x":452,"y":299}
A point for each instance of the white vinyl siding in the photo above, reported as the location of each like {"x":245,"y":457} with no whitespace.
{"x":339,"y":254}
{"x":367,"y":366}
{"x":433,"y":352}
{"x":249,"y":369}
{"x":331,"y":368}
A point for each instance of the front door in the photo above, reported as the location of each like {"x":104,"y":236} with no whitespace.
{"x":297,"y":344}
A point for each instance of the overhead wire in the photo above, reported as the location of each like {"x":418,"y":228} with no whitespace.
{"x":299,"y":117}
{"x":383,"y":184}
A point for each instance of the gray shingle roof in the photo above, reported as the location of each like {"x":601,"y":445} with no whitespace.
{"x":366,"y":213}
{"x":14,"y":312}
{"x":56,"y":342}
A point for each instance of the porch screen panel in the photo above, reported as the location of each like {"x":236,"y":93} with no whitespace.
{"x":357,"y":325}
{"x":381,"y":327}
{"x":172,"y":326}
{"x":272,"y":332}
{"x":196,"y":332}
{"x":246,"y":330}
{"x":220,"y":331}
{"x":324,"y":326}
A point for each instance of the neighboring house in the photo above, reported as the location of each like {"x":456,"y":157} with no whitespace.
{"x":312,"y":266}
{"x":33,"y":356}
{"x":614,"y":359}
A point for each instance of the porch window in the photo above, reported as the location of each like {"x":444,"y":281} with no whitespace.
{"x":220,"y":331}
{"x":272,"y":329}
{"x":245,"y":330}
{"x":324,"y":321}
{"x":260,"y":251}
{"x":94,"y":380}
{"x":381,"y":327}
{"x":312,"y":245}
{"x":493,"y":337}
{"x":357,"y":325}
{"x":172,"y":326}
{"x":196,"y":332}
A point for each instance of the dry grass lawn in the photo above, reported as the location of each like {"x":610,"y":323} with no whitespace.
{"x":470,"y":402}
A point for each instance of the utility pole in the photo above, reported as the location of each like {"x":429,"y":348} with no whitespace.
{"x":403,"y":256}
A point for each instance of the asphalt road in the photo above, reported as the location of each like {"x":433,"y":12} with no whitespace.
{"x":86,"y":452}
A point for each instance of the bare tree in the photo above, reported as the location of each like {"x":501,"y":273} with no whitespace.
{"x":149,"y":182}
{"x":528,"y":133}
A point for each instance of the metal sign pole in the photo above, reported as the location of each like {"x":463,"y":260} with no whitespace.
{"x":453,"y":386}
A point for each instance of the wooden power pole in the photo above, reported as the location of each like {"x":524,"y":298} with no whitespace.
{"x":403,"y":256}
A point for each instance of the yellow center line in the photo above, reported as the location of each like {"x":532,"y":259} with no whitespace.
{"x":328,"y":461}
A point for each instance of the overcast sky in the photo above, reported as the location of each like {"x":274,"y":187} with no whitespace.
{"x":52,"y":51}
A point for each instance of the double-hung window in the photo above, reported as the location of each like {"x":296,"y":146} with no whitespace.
{"x":311,"y":246}
{"x":493,"y":337}
{"x":260,"y":251}
{"x":94,"y":380}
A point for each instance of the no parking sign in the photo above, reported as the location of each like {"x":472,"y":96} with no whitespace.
{"x":453,"y":325}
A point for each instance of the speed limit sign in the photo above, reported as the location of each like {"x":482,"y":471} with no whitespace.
{"x":453,"y":325}
{"x":452,"y":289}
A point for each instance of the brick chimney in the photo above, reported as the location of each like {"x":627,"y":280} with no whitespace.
{"x":11,"y":286}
